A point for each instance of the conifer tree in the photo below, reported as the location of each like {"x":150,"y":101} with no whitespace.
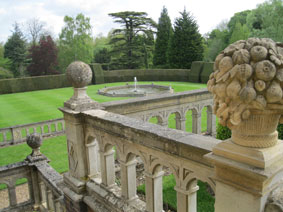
{"x":163,"y":35}
{"x":186,"y":43}
{"x":15,"y":50}
{"x":132,"y":43}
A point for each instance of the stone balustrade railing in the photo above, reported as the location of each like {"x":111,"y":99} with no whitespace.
{"x":17,"y":134}
{"x":156,"y":146}
{"x":43,"y":184}
{"x":162,"y":106}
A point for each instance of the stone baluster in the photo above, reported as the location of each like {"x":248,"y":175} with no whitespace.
{"x":153,"y":191}
{"x":57,"y":204}
{"x":16,"y":134}
{"x":12,"y":195}
{"x":187,"y":198}
{"x":34,"y":129}
{"x":196,"y":122}
{"x":128,"y":179}
{"x":56,"y":126}
{"x":181,"y":123}
{"x":49,"y":128}
{"x":107,"y":166}
{"x":42,"y":129}
{"x":211,"y":122}
{"x":27,"y":131}
{"x":93,"y":158}
{"x":4,"y":136}
{"x":43,"y":192}
{"x":50,"y":201}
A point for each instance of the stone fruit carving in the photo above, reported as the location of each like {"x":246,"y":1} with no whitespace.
{"x":247,"y":75}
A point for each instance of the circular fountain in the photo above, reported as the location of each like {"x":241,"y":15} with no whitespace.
{"x":134,"y":90}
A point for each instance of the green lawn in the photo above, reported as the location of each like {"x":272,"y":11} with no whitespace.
{"x":29,"y":107}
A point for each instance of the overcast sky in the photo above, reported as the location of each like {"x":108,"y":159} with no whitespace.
{"x":208,"y":13}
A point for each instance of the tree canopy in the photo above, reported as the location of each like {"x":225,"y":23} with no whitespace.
{"x":75,"y":41}
{"x":163,"y":36}
{"x":132,"y":44}
{"x":15,"y":50}
{"x":43,"y":57}
{"x":186,"y":43}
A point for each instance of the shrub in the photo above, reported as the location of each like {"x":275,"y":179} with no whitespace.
{"x":5,"y":74}
{"x":222,"y":132}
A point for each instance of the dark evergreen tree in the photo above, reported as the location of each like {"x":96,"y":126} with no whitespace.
{"x":130,"y":43}
{"x":15,"y":50}
{"x":163,"y":35}
{"x":186,"y":43}
{"x":43,"y":58}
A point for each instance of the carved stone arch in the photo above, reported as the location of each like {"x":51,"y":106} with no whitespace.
{"x":192,"y":108}
{"x":190,"y":181}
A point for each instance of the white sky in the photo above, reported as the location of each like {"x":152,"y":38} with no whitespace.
{"x":208,"y":13}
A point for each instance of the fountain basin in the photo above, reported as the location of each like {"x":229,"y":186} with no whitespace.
{"x":129,"y":90}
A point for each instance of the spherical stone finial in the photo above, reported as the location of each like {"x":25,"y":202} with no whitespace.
{"x":34,"y":141}
{"x":79,"y":74}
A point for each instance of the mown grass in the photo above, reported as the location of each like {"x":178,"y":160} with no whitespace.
{"x":29,"y":107}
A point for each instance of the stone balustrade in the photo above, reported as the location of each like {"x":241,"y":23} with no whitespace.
{"x":158,"y":147}
{"x":162,"y":106}
{"x":43,"y":182}
{"x":17,"y":134}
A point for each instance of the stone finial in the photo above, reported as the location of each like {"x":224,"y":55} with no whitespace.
{"x":34,"y":141}
{"x":247,"y":82}
{"x":79,"y":74}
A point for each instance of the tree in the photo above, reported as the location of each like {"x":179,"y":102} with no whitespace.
{"x":163,"y":36}
{"x":15,"y":50}
{"x":43,"y":57}
{"x":240,"y":32}
{"x":186,"y":43}
{"x":267,"y":20}
{"x":133,"y":42}
{"x":75,"y":41}
{"x":35,"y":29}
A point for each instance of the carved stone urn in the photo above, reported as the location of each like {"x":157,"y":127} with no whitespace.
{"x":247,"y":88}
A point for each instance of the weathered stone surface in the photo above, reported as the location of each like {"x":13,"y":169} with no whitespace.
{"x":79,"y":74}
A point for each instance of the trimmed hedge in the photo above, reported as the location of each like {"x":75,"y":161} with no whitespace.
{"x":206,"y":71}
{"x":196,"y":69}
{"x":224,"y":133}
{"x":97,"y":73}
{"x":147,"y":75}
{"x":16,"y":85}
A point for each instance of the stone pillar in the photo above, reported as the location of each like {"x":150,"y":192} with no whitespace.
{"x":248,"y":167}
{"x":12,"y":195}
{"x":196,"y":122}
{"x":128,"y":179}
{"x":93,"y":159}
{"x":50,"y":202}
{"x":180,"y":123}
{"x":42,"y":192}
{"x":187,"y":198}
{"x":211,"y":122}
{"x":75,"y":179}
{"x":107,"y":166}
{"x":153,"y":189}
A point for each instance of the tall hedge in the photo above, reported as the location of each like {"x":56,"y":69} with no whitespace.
{"x":16,"y":85}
